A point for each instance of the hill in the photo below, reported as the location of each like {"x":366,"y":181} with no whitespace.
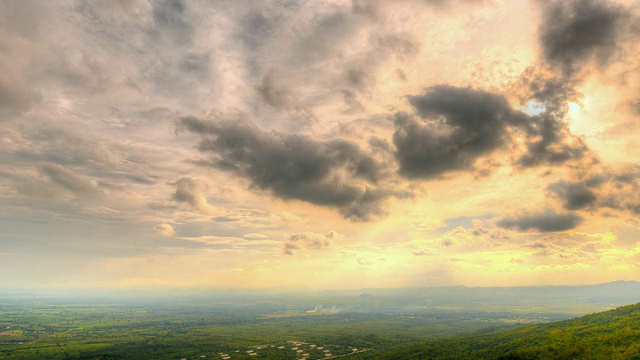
{"x":577,"y":300}
{"x":613,"y":334}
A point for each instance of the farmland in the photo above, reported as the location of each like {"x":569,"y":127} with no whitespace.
{"x":167,"y":330}
{"x":249,"y":325}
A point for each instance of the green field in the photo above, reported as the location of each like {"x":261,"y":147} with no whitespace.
{"x":66,"y":330}
{"x":429,"y":323}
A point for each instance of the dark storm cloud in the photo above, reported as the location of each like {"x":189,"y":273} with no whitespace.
{"x":547,"y":221}
{"x":456,"y":126}
{"x":577,"y":31}
{"x":574,"y":196}
{"x":335,"y":173}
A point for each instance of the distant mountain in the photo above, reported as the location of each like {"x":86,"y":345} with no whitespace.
{"x":613,"y":334}
{"x":578,"y":299}
{"x":366,"y":296}
{"x":621,"y":285}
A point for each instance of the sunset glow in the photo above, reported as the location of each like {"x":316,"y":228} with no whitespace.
{"x":318,"y":144}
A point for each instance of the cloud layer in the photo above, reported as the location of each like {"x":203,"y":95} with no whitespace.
{"x":547,"y":221}
{"x":335,"y":173}
{"x":577,"y":32}
{"x":174,"y":142}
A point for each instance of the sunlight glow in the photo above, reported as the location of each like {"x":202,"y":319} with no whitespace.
{"x":574,"y":108}
{"x":534,"y":108}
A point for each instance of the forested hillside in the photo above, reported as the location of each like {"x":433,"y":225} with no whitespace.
{"x":612,"y":334}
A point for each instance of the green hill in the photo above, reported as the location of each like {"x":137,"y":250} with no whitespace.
{"x":613,"y":334}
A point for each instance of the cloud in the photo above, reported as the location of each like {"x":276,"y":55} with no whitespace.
{"x":627,"y":234}
{"x":164,"y":230}
{"x":327,"y":36}
{"x":605,"y":189}
{"x":310,"y":241}
{"x":70,"y":181}
{"x":575,"y":32}
{"x":360,"y":76}
{"x":456,"y":126}
{"x":469,"y":240}
{"x":334,"y":173}
{"x":20,"y":23}
{"x":574,"y":196}
{"x":15,"y":96}
{"x":291,"y":248}
{"x":171,"y":20}
{"x":459,"y":125}
{"x":231,"y":242}
{"x":552,"y":147}
{"x":546,"y":221}
{"x":366,"y":7}
{"x":373,"y":8}
{"x":337,"y":52}
{"x":274,"y":93}
{"x":549,"y":90}
{"x":254,"y":236}
{"x":548,"y":137}
{"x":426,"y":252}
{"x":192,"y":192}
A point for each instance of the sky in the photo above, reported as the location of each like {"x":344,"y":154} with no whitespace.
{"x":318,"y":144}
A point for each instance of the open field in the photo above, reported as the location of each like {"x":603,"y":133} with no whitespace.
{"x":278,"y":326}
{"x":177,"y":331}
